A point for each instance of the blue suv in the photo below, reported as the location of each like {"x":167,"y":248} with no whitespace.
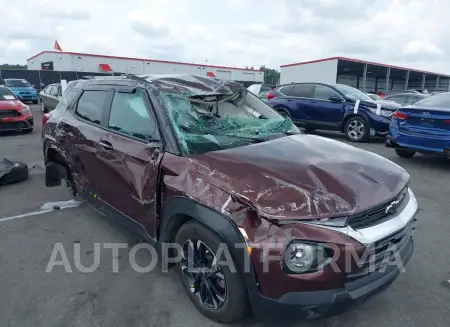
{"x":335,"y":107}
{"x":22,"y":89}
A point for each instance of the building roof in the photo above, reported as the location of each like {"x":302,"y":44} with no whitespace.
{"x":362,"y":62}
{"x":140,"y":59}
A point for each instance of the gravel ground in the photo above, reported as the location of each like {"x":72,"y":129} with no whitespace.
{"x":32,"y":297}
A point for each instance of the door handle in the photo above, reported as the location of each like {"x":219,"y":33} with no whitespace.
{"x":105,"y":145}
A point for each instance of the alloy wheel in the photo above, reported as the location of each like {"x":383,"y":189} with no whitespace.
{"x":203,"y":275}
{"x":355,"y":129}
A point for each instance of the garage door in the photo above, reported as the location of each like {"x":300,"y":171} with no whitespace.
{"x":223,"y":74}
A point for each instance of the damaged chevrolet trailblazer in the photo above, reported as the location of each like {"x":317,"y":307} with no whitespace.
{"x":265,"y":218}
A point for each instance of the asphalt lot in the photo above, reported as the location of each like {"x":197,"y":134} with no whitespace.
{"x":30,"y":296}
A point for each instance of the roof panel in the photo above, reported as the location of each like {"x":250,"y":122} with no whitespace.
{"x":141,"y":59}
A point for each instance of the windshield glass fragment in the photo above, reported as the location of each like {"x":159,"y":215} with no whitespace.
{"x":214,"y":122}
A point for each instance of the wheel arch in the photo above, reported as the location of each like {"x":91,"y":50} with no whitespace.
{"x":179,"y":210}
{"x":351,"y":115}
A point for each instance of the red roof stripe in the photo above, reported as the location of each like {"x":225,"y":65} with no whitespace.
{"x":360,"y":61}
{"x":141,"y":59}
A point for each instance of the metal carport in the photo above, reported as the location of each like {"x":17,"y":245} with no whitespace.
{"x":370,"y":76}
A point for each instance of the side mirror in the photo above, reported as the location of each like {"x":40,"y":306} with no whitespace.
{"x":335,"y":98}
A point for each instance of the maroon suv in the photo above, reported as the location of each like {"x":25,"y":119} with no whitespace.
{"x":264,"y":216}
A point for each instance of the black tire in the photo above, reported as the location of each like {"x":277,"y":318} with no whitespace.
{"x":35,"y":101}
{"x":359,"y":121}
{"x":405,"y":153}
{"x":29,"y":130}
{"x":17,"y":174}
{"x":236,"y":304}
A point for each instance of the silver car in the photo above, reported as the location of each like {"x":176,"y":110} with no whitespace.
{"x":50,"y":96}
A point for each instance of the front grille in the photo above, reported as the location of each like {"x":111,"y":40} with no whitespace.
{"x":9,"y":113}
{"x":383,"y":252}
{"x":381,"y":213}
{"x":10,"y":126}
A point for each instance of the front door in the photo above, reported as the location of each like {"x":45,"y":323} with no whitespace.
{"x":324,"y":111}
{"x":129,"y":156}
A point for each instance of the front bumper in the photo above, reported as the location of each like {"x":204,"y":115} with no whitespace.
{"x":312,"y":305}
{"x":16,"y":124}
{"x":379,"y":124}
{"x":27,"y":97}
{"x":392,"y":239}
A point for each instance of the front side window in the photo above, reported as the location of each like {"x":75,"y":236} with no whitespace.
{"x":90,"y":105}
{"x":213,"y":122}
{"x":129,"y":115}
{"x":324,"y":93}
{"x":17,"y":83}
{"x":352,"y":93}
{"x":54,"y":91}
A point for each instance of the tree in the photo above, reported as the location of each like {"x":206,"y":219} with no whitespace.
{"x":7,"y":66}
{"x":271,"y":76}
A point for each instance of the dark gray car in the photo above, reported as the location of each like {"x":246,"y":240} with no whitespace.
{"x":50,"y":96}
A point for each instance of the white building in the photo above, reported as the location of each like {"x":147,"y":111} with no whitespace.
{"x":84,"y":62}
{"x":364,"y":75}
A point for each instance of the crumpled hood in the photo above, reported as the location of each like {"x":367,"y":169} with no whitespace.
{"x":11,"y":105}
{"x":302,"y":177}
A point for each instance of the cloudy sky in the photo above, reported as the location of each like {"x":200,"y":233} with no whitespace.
{"x":411,"y":33}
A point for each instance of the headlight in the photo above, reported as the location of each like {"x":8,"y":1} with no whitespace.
{"x":302,"y":258}
{"x":25,"y":110}
{"x":385,"y":113}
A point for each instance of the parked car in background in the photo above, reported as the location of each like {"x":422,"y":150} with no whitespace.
{"x":421,"y":127}
{"x":22,"y":89}
{"x":189,"y":161}
{"x":260,"y":90}
{"x":374,"y":96}
{"x":333,"y":107}
{"x":50,"y":96}
{"x":392,"y":92}
{"x":405,"y":99}
{"x":14,"y":114}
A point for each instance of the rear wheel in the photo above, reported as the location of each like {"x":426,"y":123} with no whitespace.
{"x":356,"y":129}
{"x":216,"y":292}
{"x":405,"y":153}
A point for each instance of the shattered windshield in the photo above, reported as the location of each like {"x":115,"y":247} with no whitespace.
{"x":222,"y":121}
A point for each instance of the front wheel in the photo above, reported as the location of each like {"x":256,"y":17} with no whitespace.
{"x":356,"y":129}
{"x":216,"y":291}
{"x":405,"y":153}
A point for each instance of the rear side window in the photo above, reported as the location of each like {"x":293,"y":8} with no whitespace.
{"x":90,"y":105}
{"x":303,"y":91}
{"x":129,"y":116}
{"x":324,"y":93}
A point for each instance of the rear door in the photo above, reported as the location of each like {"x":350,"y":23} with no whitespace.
{"x":82,"y":135}
{"x":46,"y":97}
{"x":128,"y":157}
{"x":299,"y":97}
{"x":429,"y":116}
